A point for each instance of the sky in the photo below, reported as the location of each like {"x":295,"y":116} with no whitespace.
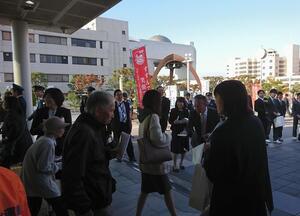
{"x":220,"y":29}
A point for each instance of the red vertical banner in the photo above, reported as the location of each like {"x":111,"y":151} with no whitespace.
{"x":141,"y":74}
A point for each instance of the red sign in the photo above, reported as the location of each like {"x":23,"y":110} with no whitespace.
{"x":141,"y":74}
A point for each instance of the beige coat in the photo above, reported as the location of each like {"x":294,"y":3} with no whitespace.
{"x":157,"y":138}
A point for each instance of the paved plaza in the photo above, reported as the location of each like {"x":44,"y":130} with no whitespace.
{"x":284,"y":165}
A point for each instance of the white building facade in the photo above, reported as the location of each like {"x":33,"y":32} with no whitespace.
{"x":158,"y":47}
{"x":269,"y":64}
{"x":99,"y":48}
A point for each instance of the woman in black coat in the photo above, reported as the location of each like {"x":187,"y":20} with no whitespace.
{"x":236,"y":161}
{"x":54,"y":99}
{"x":16,"y":138}
{"x":180,"y":140}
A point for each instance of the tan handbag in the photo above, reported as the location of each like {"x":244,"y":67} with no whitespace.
{"x":150,"y":154}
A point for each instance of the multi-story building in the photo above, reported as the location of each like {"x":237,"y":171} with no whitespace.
{"x":269,"y":64}
{"x":98,"y":48}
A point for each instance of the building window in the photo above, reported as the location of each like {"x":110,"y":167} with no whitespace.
{"x":270,"y":67}
{"x":32,"y":57}
{"x":6,"y":35}
{"x":124,"y":65}
{"x":8,"y":77}
{"x":7,"y":56}
{"x":271,"y":61}
{"x":124,"y":48}
{"x":57,"y":77}
{"x":53,"y":40}
{"x":31,"y":37}
{"x":54,"y":59}
{"x":101,"y":62}
{"x":84,"y":60}
{"x":123,"y":32}
{"x":101,"y":44}
{"x":83,"y":43}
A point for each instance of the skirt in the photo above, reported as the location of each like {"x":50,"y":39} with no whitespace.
{"x":179,"y":145}
{"x":155,"y":183}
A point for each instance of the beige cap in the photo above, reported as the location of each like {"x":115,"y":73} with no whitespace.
{"x":54,"y":123}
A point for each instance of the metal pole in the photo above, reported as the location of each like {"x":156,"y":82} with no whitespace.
{"x":188,"y":76}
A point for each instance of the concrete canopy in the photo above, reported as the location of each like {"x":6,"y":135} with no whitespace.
{"x":62,"y":16}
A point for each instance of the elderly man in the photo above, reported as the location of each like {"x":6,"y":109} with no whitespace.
{"x":87,"y":183}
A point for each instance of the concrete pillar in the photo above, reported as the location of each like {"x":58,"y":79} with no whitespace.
{"x":21,"y":61}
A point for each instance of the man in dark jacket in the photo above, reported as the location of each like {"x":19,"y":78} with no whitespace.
{"x":296,"y":115}
{"x":18,"y":93}
{"x":260,"y":108}
{"x":165,"y":109}
{"x":211,"y":103}
{"x":87,"y":183}
{"x":122,"y":121}
{"x":281,"y":106}
{"x":189,"y":102}
{"x":272,"y":113}
{"x":89,"y":90}
{"x":202,"y":120}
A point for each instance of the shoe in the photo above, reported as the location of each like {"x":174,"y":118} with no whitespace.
{"x":295,"y":138}
{"x":280,"y":139}
{"x":182,"y":167}
{"x":277,"y":142}
{"x":175,"y":170}
{"x":268,"y":141}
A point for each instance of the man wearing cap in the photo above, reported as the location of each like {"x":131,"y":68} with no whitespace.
{"x":39,"y":168}
{"x":18,"y":93}
{"x":39,"y":94}
{"x":87,"y":183}
{"x":90,"y":90}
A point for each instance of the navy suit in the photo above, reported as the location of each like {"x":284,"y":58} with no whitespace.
{"x":281,"y":106}
{"x":118,"y":127}
{"x":272,"y":108}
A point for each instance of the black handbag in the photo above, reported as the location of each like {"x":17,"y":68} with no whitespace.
{"x":150,"y":154}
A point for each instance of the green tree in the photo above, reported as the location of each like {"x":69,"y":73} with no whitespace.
{"x":73,"y":99}
{"x":128,"y":81}
{"x":295,"y":88}
{"x":38,"y":78}
{"x":272,"y":83}
{"x":213,"y":81}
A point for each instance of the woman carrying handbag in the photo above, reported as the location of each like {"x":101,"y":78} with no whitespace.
{"x":154,"y":172}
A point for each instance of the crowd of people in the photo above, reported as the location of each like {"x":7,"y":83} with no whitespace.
{"x":78,"y":154}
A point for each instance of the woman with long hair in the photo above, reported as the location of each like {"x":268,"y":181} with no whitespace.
{"x":236,"y":161}
{"x":180,"y":140}
{"x":16,"y":138}
{"x":154,"y":176}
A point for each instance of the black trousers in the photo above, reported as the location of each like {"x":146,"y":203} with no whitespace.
{"x":56,"y":203}
{"x":295,"y":126}
{"x":276,"y":131}
{"x":130,"y":151}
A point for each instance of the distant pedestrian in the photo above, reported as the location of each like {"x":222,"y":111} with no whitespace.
{"x":165,"y":108}
{"x":211,"y":103}
{"x":260,"y":108}
{"x":272,"y":113}
{"x":296,"y":116}
{"x":87,"y":183}
{"x":154,"y":176}
{"x":189,"y":102}
{"x":89,"y":90}
{"x":40,"y":167}
{"x":179,"y":118}
{"x":281,"y":106}
{"x":40,"y":103}
{"x":122,"y":122}
{"x":286,"y":99}
{"x":236,"y":161}
{"x":17,"y":92}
